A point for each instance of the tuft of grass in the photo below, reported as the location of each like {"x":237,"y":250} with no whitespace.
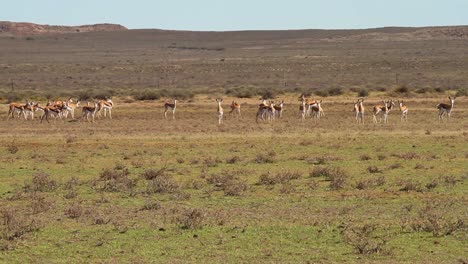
{"x":192,"y":219}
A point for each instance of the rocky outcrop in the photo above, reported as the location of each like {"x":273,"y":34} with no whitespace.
{"x":22,"y":29}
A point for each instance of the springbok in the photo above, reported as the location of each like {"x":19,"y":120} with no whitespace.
{"x":303,"y":109}
{"x":53,"y":110}
{"x":170,"y":107}
{"x":90,"y":111}
{"x":71,"y":106}
{"x":16,"y":108}
{"x":403,"y":110}
{"x":279,"y":109}
{"x":235,"y":108}
{"x":446,"y":109}
{"x":316,"y":110}
{"x":106,"y":107}
{"x":359,"y":109}
{"x":383,"y":110}
{"x":266,"y":110}
{"x":220,"y":111}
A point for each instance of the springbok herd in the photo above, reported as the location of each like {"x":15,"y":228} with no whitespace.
{"x":267,"y":110}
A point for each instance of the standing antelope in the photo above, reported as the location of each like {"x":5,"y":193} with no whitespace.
{"x":316,"y":110}
{"x":404,"y":111}
{"x":235,"y":108}
{"x":279,"y":109}
{"x":303,"y":109}
{"x":16,"y":108}
{"x":359,"y":109}
{"x":220,"y":111}
{"x":106,"y":107}
{"x":53,"y":110}
{"x":445,"y":109}
{"x":90,"y":111}
{"x":383,"y":110}
{"x":170,"y":107}
{"x":71,"y":108}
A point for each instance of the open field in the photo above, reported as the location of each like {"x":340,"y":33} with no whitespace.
{"x":140,"y":189}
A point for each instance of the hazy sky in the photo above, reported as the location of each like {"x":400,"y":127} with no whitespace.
{"x":239,"y":14}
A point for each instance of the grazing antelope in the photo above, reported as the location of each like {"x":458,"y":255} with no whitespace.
{"x":235,"y":108}
{"x":220,"y":111}
{"x":105,"y":106}
{"x":359,"y":109}
{"x":53,"y":110}
{"x":445,"y":109}
{"x":404,"y":111}
{"x":383,"y":111}
{"x":279,"y":109}
{"x":170,"y":107}
{"x":90,"y":111}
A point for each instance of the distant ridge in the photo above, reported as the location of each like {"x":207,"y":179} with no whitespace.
{"x":24,"y":28}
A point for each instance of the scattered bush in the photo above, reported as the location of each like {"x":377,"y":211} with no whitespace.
{"x":374,"y":169}
{"x":74,"y":210}
{"x":12,"y":148}
{"x":265,"y":157}
{"x":158,"y":181}
{"x":41,"y":182}
{"x":363,"y":239}
{"x":115,"y":180}
{"x":363,"y":93}
{"x":409,"y":185}
{"x":228,"y":182}
{"x":14,"y":224}
{"x":336,"y":176}
{"x":192,"y":219}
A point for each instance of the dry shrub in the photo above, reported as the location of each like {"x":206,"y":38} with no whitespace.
{"x":41,"y":182}
{"x":233,"y":160}
{"x":409,"y":185}
{"x":438,"y":217}
{"x":191,"y":219}
{"x":115,"y":180}
{"x":365,"y":157}
{"x":364,"y":184}
{"x":74,"y":210}
{"x":374,"y":169}
{"x":394,"y":166}
{"x":287,"y":188}
{"x":12,"y":148}
{"x":433,"y":184}
{"x":335,"y":175}
{"x":228,"y":182}
{"x":269,"y":157}
{"x":381,"y":157}
{"x":159,"y":181}
{"x":40,"y":203}
{"x":211,"y":162}
{"x":14,"y":224}
{"x":449,"y":181}
{"x":71,"y":186}
{"x":407,"y":156}
{"x":363,"y":239}
{"x":281,"y":177}
{"x":151,"y":205}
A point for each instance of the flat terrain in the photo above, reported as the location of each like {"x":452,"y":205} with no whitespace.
{"x":142,"y":189}
{"x":139,"y":188}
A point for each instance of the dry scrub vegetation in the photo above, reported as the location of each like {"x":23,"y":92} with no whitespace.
{"x":139,"y":185}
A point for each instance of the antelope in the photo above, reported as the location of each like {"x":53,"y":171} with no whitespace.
{"x":266,"y":110}
{"x":51,"y":110}
{"x":30,"y":109}
{"x":383,"y":110}
{"x":71,"y":108}
{"x":106,"y":106}
{"x":88,"y":111}
{"x":16,"y":108}
{"x":279,"y":109}
{"x":404,"y":111}
{"x":235,"y":108}
{"x":303,"y":109}
{"x":220,"y":111}
{"x":171,"y":107}
{"x":359,"y":109}
{"x":446,"y":109}
{"x":316,"y":110}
